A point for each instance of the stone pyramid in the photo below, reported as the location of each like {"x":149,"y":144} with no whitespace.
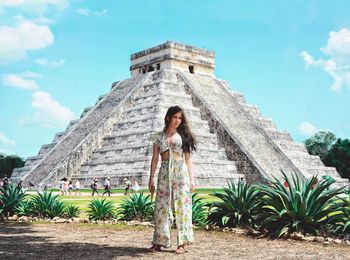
{"x":112,"y":138}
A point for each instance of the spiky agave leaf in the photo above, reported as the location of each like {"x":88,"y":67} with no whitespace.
{"x":10,"y":197}
{"x":46,"y":204}
{"x":237,"y":206}
{"x":341,"y":223}
{"x":24,"y":208}
{"x":136,"y":207}
{"x":303,"y":206}
{"x":101,"y":209}
{"x":72,"y":211}
{"x":199,"y":211}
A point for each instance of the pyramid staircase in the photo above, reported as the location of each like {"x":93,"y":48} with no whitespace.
{"x":127,"y":151}
{"x":269,"y":149}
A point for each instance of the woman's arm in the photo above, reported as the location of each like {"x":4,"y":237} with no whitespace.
{"x":189,"y":167}
{"x":154,"y":164}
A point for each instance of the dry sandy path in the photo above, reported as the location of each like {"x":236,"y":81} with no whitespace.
{"x":77,"y":241}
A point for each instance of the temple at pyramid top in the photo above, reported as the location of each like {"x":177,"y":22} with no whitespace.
{"x":173,"y":55}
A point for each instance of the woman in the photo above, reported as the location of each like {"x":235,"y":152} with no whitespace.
{"x":135,"y":186}
{"x":175,"y":181}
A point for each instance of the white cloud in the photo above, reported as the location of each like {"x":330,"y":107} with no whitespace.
{"x":34,"y":6}
{"x":307,"y":129}
{"x":27,"y":36}
{"x":83,"y":11}
{"x":49,"y":112}
{"x":338,"y":63}
{"x":42,"y":20}
{"x":30,"y":74}
{"x":86,"y":12}
{"x":51,"y":64}
{"x":6,"y":144}
{"x":21,"y":81}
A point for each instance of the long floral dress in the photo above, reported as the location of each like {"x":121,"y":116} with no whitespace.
{"x":173,"y":194}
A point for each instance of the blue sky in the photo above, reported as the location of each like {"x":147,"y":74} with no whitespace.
{"x":291,"y":58}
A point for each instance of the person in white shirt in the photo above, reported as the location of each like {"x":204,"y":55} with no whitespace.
{"x":107,"y":186}
{"x":77,"y":187}
{"x":135,"y":186}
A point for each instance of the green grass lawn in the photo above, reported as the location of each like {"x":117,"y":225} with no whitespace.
{"x":82,"y":201}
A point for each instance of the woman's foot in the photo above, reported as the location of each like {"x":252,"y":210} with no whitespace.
{"x":180,"y":249}
{"x":154,"y":248}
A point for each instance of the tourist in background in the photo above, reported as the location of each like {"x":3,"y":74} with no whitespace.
{"x":127,"y":185}
{"x":134,"y":186}
{"x":175,"y":181}
{"x":107,"y":186}
{"x":65,"y":187}
{"x":77,"y":187}
{"x":61,"y":186}
{"x":94,"y":187}
{"x":70,"y":187}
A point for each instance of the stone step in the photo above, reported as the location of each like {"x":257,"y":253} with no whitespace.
{"x":306,"y":160}
{"x":58,"y":137}
{"x":287,"y":145}
{"x":279,"y":135}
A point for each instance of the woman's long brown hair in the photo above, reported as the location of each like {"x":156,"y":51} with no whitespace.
{"x":188,"y":140}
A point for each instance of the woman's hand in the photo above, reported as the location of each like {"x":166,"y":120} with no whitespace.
{"x":192,"y":187}
{"x":151,"y":186}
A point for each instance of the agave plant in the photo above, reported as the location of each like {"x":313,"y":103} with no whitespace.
{"x":46,"y":204}
{"x":136,"y":207}
{"x":101,"y":209}
{"x":237,"y":206}
{"x":199,"y":211}
{"x":342,"y":218}
{"x":10,"y":197}
{"x":24,"y":208}
{"x":297,"y":205}
{"x":72,"y":211}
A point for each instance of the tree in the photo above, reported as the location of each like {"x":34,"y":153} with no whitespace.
{"x":8,"y":163}
{"x":339,"y":157}
{"x":320,"y":143}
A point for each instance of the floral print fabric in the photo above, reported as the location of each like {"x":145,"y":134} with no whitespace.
{"x":173,"y":197}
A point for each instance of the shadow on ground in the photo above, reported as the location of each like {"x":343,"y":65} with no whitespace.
{"x":20,"y":241}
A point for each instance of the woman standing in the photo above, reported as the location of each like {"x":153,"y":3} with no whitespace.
{"x":175,"y":181}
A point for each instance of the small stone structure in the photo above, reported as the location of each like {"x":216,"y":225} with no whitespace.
{"x":112,"y":138}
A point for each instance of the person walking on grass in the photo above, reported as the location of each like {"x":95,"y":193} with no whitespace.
{"x":127,"y":185}
{"x":134,"y":186}
{"x":175,"y":181}
{"x":77,"y":187}
{"x":107,"y":186}
{"x":94,"y":187}
{"x":70,"y":187}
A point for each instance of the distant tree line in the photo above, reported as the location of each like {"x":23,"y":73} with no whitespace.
{"x":8,"y":163}
{"x":333,"y":151}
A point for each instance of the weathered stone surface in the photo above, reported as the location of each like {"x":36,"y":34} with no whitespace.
{"x":112,"y":138}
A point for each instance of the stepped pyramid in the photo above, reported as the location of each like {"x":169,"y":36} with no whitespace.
{"x":112,"y":138}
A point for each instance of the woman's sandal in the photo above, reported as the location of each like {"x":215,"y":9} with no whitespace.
{"x":154,"y":248}
{"x":180,"y":250}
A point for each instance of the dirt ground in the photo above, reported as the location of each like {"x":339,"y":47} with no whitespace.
{"x":84,"y":241}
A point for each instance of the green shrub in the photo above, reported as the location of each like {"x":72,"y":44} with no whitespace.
{"x":101,"y":209}
{"x":342,"y":218}
{"x":10,"y":198}
{"x":47,"y":205}
{"x":305,"y":206}
{"x":199,"y":211}
{"x":137,"y":207}
{"x":237,"y":206}
{"x":24,"y":208}
{"x":72,"y":211}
